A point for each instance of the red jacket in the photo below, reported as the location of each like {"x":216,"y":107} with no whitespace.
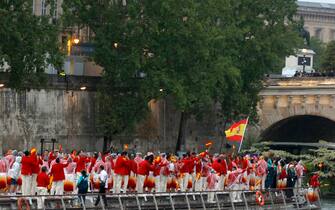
{"x":217,"y":167}
{"x":93,"y":161}
{"x":122,"y":166}
{"x":51,"y":157}
{"x":43,"y":180}
{"x":36,"y":164}
{"x":81,"y":163}
{"x":144,"y":168}
{"x":188,"y":165}
{"x":133,"y":166}
{"x":314,"y":181}
{"x":27,"y":165}
{"x":57,"y":171}
{"x":157,"y":169}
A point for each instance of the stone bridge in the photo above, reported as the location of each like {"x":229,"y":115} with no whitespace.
{"x":297,"y":110}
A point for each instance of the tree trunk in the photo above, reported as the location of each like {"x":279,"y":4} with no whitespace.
{"x":223,"y":135}
{"x":181,"y":132}
{"x":106,"y":143}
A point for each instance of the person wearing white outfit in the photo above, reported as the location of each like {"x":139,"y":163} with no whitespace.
{"x":14,"y":174}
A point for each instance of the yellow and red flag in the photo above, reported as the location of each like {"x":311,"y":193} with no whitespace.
{"x":236,"y":131}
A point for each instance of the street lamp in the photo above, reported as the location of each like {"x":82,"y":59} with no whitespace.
{"x":76,"y":40}
{"x":304,"y":60}
{"x":83,"y":88}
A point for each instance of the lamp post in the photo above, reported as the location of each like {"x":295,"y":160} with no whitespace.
{"x":304,"y":61}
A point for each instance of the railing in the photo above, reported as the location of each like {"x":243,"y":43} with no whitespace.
{"x":273,"y":199}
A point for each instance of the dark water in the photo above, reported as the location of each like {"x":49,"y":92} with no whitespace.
{"x":328,"y":203}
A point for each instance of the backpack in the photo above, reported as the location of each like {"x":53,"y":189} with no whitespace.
{"x":83,"y":185}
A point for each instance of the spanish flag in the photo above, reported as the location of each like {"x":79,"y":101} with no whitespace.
{"x":236,"y":131}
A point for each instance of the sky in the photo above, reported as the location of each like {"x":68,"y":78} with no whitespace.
{"x":322,"y":1}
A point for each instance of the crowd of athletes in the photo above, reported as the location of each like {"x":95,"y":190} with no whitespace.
{"x":53,"y":172}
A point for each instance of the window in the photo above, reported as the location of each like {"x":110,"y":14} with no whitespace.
{"x":54,"y":15}
{"x":43,"y":7}
{"x":318,"y":33}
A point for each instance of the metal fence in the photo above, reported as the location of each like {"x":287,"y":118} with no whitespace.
{"x":273,"y":199}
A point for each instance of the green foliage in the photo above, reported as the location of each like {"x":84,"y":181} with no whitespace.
{"x":319,"y":48}
{"x":321,"y":160}
{"x":200,"y":53}
{"x":328,"y":60}
{"x":28,"y":43}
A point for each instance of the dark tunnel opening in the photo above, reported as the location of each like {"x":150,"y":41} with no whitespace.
{"x":300,"y":129}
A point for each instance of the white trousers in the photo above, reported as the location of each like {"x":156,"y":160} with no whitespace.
{"x":263,"y":181}
{"x":26,"y":185}
{"x":211,"y":195}
{"x":158,"y":183}
{"x":184,"y":182}
{"x":139,"y":183}
{"x":203,"y":183}
{"x":57,"y":188}
{"x":33,"y":184}
{"x":235,"y":195}
{"x":163,"y":183}
{"x":125,"y":183}
{"x":117,"y":183}
{"x":221,"y":182}
{"x":198,"y":185}
{"x":297,"y":186}
{"x":40,"y":200}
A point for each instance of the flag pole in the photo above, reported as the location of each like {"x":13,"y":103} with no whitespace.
{"x":239,"y":148}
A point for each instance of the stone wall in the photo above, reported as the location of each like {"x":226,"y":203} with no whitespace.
{"x":69,"y":117}
{"x":28,"y":116}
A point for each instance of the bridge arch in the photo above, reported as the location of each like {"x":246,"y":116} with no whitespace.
{"x":305,"y":128}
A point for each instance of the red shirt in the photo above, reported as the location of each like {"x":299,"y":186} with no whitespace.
{"x":43,"y":180}
{"x":133,"y":166}
{"x":81,"y":163}
{"x":57,"y":171}
{"x":121,"y":166}
{"x":217,"y":167}
{"x":27,"y":164}
{"x":93,"y":161}
{"x":51,"y":157}
{"x":144,"y":168}
{"x":314,"y":181}
{"x":224,"y":167}
{"x":36,"y":164}
{"x":188,"y":165}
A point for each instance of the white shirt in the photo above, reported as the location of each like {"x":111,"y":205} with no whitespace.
{"x":103,"y":177}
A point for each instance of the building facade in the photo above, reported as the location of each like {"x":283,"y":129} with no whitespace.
{"x":319,"y":19}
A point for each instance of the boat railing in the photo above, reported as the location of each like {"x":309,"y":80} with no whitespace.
{"x":303,"y":198}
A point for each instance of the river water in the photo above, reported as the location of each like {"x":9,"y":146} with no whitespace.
{"x":328,"y":204}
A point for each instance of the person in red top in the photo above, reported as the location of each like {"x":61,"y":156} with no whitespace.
{"x":143,"y":170}
{"x":157,"y":169}
{"x":198,"y":168}
{"x":93,"y":161}
{"x":35,"y":170}
{"x":43,"y":181}
{"x":26,"y":172}
{"x":314,"y":181}
{"x":164,"y":173}
{"x":187,"y":167}
{"x":122,"y":171}
{"x":57,"y":171}
{"x":81,"y":161}
{"x":219,"y":169}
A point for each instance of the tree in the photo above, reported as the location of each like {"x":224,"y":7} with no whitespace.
{"x":28,"y":43}
{"x":328,"y":62}
{"x":198,"y":52}
{"x":319,"y":48}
